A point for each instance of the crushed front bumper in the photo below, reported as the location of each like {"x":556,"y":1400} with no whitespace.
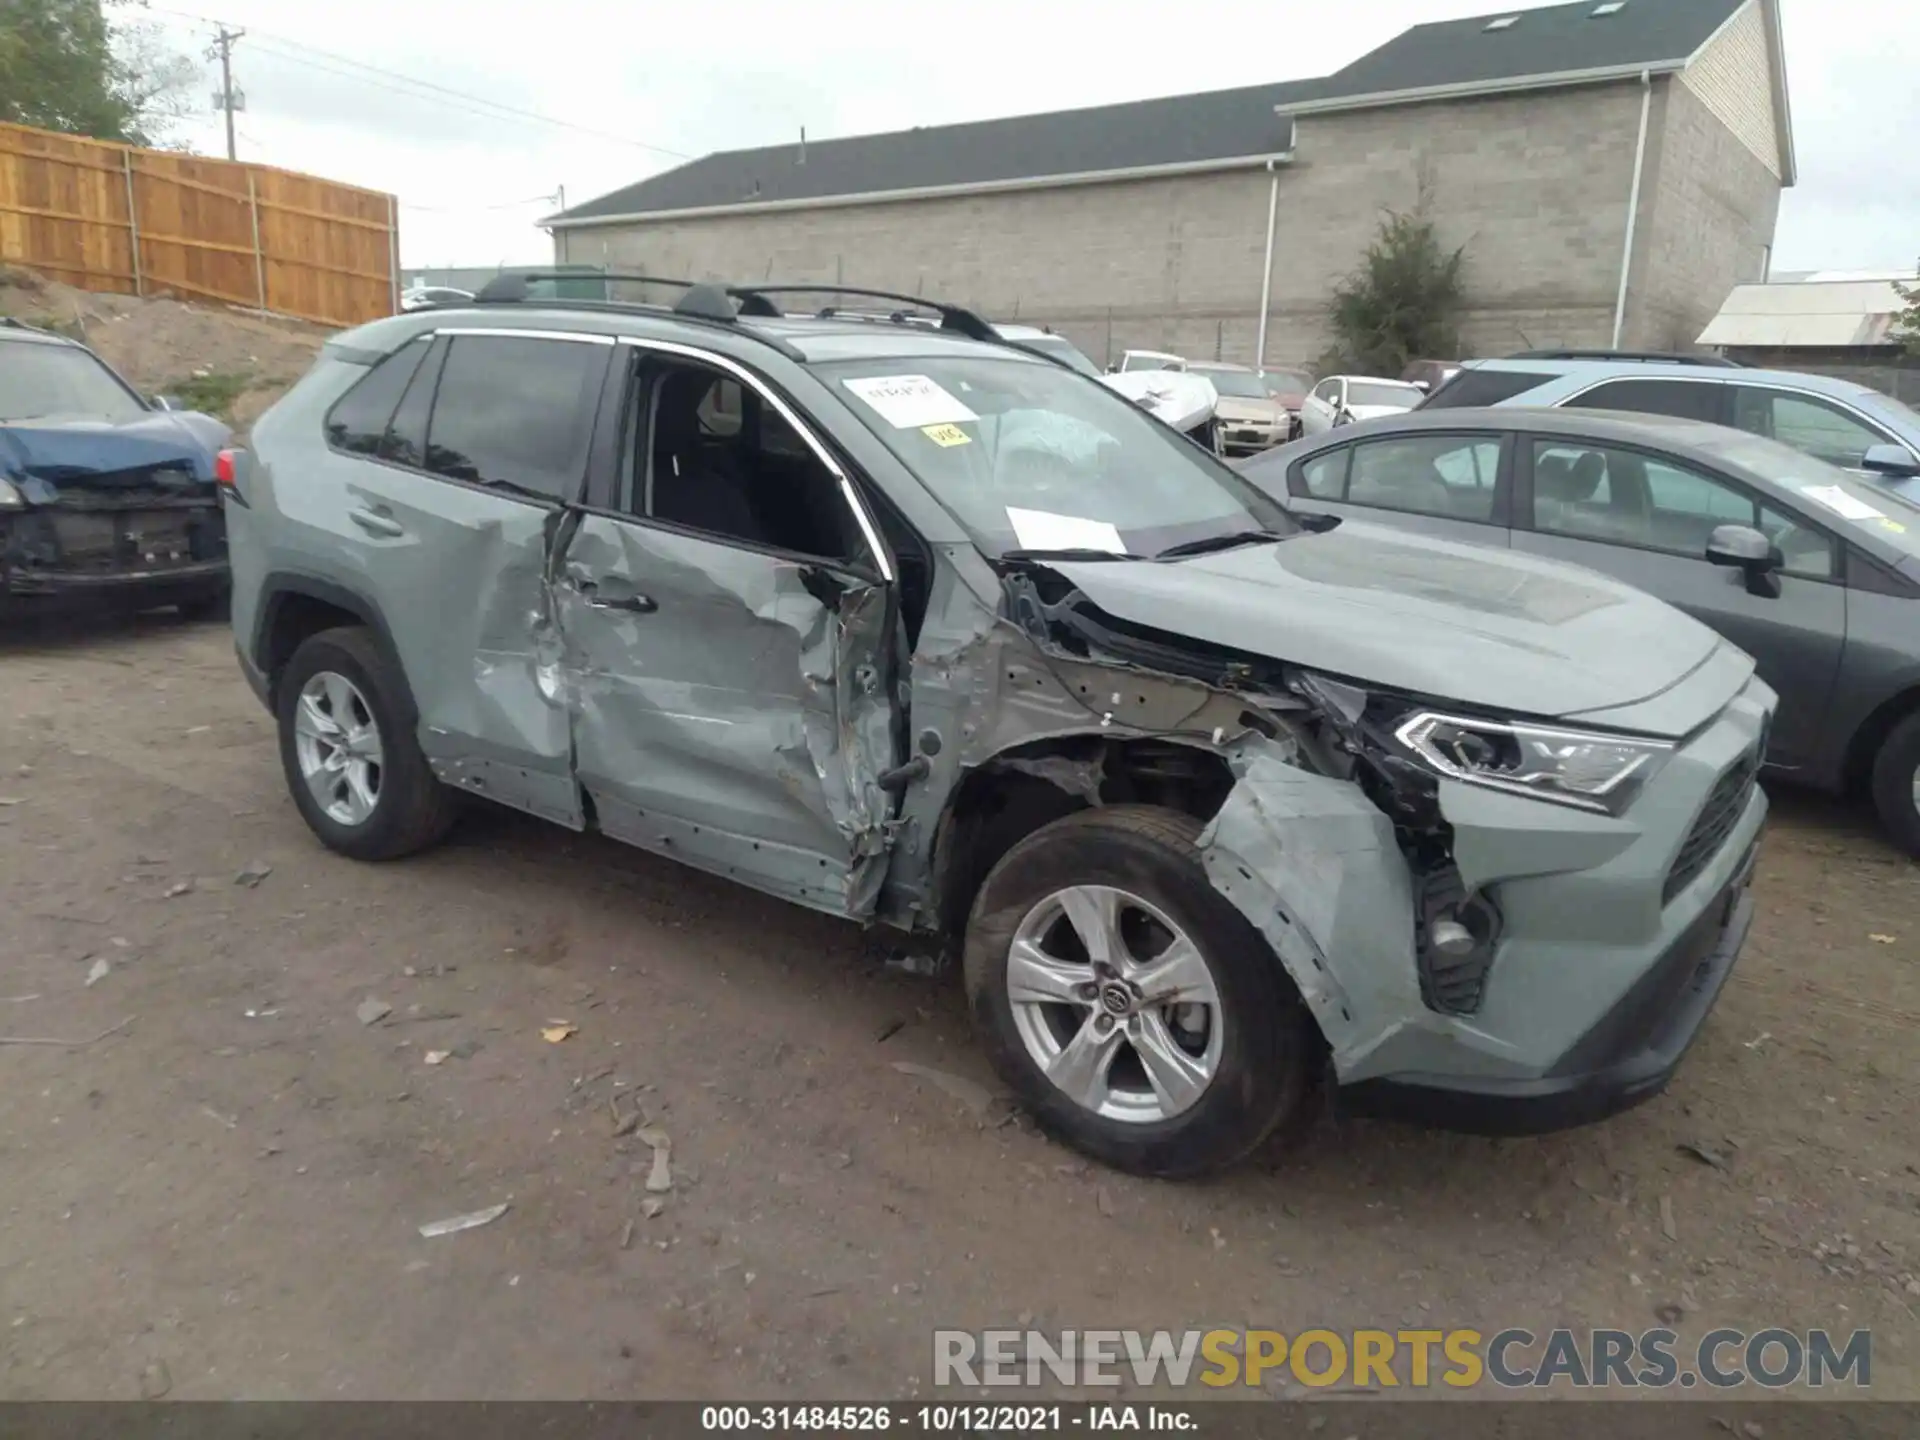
{"x":1627,"y":1057}
{"x":1617,"y":932}
{"x":146,"y":554}
{"x":1248,"y":438}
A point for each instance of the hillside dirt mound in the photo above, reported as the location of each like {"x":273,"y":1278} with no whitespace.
{"x":230,"y":362}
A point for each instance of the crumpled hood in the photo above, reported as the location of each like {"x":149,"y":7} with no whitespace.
{"x":1489,"y":629}
{"x":63,"y":452}
{"x":1374,"y":412}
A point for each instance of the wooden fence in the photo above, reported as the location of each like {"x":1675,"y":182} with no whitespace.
{"x":101,"y":216}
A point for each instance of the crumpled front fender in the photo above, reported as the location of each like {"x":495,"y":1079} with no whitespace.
{"x":1314,"y":866}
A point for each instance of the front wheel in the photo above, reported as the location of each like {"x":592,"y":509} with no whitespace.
{"x":352,"y":763}
{"x":1896,"y":784}
{"x":1135,"y":1012}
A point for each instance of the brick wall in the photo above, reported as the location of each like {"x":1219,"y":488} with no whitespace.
{"x":1534,"y":186}
{"x":1707,"y":212}
{"x":1734,"y":80}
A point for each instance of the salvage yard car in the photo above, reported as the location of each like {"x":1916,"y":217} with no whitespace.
{"x":105,"y":498}
{"x":1211,"y":801}
{"x":1813,"y":572}
{"x":1342,"y":399}
{"x":1250,"y":419}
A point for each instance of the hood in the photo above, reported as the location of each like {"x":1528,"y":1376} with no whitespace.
{"x":59,"y":453}
{"x":1172,"y":396}
{"x":1374,"y":412}
{"x":1488,"y":629}
{"x":1239,"y":407}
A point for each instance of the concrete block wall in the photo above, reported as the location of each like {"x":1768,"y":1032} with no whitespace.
{"x":1734,"y":80}
{"x":1708,"y":209}
{"x":1535,"y":186}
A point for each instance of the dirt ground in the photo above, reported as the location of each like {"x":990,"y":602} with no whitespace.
{"x":256,"y":355}
{"x":221,"y":1197}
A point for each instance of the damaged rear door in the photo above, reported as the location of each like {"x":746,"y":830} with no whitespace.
{"x":726,"y":648}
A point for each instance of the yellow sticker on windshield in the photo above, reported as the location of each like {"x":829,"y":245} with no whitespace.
{"x":1893,"y":525}
{"x":948,"y":435}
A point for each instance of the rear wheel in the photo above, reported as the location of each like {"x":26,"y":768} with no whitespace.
{"x":1896,"y":784}
{"x":1134,"y":1011}
{"x":352,"y":763}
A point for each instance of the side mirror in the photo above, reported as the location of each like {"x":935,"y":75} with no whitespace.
{"x":1423,"y":386}
{"x":166,"y":402}
{"x":1889,"y":460}
{"x":1741,"y":547}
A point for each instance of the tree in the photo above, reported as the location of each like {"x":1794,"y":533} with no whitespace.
{"x":1402,"y":303}
{"x":65,"y":66}
{"x":1906,"y":325}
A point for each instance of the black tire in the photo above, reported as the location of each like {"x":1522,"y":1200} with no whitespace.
{"x":1268,"y":1056}
{"x":414,"y":809}
{"x":1894,"y":771}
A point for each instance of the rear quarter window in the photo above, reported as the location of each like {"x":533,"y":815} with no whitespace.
{"x":359,"y":419}
{"x":1472,"y":388}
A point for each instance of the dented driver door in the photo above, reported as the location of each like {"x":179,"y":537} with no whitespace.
{"x":730,"y":707}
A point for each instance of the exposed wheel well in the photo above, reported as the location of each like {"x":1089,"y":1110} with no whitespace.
{"x":296,"y":608}
{"x":1867,"y":739}
{"x":1000,"y":803}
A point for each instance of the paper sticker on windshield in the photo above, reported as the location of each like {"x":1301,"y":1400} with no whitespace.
{"x":1043,"y":530}
{"x":909,"y":402}
{"x":946,"y":435}
{"x":1841,"y":503}
{"x":1893,"y":525}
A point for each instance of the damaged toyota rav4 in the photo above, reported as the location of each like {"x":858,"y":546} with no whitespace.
{"x":907,"y":625}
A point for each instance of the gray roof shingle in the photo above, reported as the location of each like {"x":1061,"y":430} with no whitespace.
{"x":1174,"y":130}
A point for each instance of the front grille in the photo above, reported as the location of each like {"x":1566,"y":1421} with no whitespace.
{"x":1726,"y":803}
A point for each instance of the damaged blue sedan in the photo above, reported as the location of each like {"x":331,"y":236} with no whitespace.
{"x":106,"y":499}
{"x":1213,"y":800}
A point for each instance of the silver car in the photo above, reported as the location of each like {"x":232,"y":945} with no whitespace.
{"x":1813,"y":571}
{"x":1208,"y":800}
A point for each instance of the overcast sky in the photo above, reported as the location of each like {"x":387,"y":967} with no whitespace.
{"x":702,"y":77}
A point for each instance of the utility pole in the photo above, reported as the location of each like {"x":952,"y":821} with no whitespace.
{"x":227,"y":99}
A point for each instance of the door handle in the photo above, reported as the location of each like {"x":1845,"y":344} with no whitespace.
{"x":632,"y":604}
{"x":375,"y":523}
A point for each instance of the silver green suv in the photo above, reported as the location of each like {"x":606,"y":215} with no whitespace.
{"x":1213,"y":802}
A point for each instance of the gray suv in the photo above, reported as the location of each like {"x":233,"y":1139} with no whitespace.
{"x":1214,"y":802}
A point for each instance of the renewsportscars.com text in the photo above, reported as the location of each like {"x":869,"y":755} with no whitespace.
{"x":1404,"y":1359}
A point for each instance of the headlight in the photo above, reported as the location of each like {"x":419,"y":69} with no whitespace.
{"x":10,"y":497}
{"x":1570,"y":767}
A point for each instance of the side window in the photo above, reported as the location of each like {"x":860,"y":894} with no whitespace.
{"x":1810,"y":426}
{"x":1324,"y":390}
{"x":1324,"y":477}
{"x":516,"y":413}
{"x":1451,"y":476}
{"x":1687,"y":399}
{"x":358,"y":420}
{"x":1595,"y":493}
{"x":1484,"y":387}
{"x":714,"y":457}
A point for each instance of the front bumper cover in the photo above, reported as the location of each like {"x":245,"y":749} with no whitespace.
{"x":1627,"y":1057}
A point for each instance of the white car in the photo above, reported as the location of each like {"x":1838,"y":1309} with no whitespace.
{"x":1342,"y":399}
{"x":422,"y":296}
{"x":1149,"y":360}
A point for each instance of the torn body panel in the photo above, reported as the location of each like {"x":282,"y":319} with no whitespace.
{"x":729,"y":708}
{"x":490,"y":720}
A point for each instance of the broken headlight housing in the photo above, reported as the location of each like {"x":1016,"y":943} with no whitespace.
{"x":1591,"y":770}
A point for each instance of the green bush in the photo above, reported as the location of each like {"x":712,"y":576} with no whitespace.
{"x":1402,"y":303}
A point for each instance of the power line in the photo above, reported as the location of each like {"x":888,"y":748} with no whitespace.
{"x":300,"y":53}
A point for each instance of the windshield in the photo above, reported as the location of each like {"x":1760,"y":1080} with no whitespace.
{"x":1060,"y":348}
{"x":1888,"y":509}
{"x":44,"y":381}
{"x":1381,"y":392}
{"x":1243,"y":383}
{"x":1028,"y":456}
{"x":1288,"y":382}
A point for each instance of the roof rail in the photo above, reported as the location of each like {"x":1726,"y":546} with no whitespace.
{"x":1649,"y":357}
{"x":513,"y":286}
{"x":956,"y":318}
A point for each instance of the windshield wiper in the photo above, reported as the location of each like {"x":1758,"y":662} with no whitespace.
{"x":1212,"y":543}
{"x":1083,"y":552}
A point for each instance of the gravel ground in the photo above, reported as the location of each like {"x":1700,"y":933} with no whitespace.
{"x":221,"y":1197}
